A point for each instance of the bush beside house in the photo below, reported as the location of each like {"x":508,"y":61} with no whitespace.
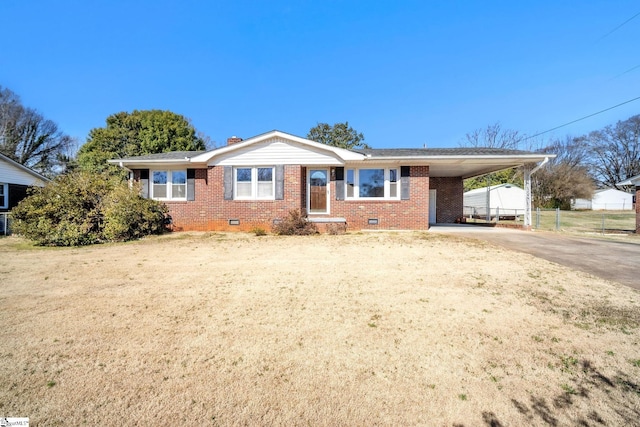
{"x":83,"y":208}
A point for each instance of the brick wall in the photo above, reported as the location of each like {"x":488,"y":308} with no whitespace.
{"x":412,"y":214}
{"x":449,"y":199}
{"x":210,"y":212}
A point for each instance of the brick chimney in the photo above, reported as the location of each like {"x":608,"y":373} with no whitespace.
{"x":234,"y":139}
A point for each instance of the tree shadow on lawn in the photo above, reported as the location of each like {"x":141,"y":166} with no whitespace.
{"x":539,"y":411}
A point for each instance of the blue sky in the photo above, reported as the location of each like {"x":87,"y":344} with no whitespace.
{"x":405,"y":73}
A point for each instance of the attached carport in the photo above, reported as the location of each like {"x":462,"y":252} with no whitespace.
{"x":448,"y":167}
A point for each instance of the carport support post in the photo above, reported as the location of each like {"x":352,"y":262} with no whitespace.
{"x":527,"y":195}
{"x":529,"y":170}
{"x":488,"y":200}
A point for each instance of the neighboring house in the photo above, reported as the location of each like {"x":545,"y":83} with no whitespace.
{"x":507,"y":199}
{"x":256,"y":182}
{"x":15,"y":179}
{"x":608,"y":199}
{"x":635,"y":181}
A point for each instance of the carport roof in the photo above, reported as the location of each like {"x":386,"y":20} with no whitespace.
{"x":466,"y":162}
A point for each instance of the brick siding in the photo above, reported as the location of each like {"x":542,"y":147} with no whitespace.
{"x":412,"y":214}
{"x":449,"y":199}
{"x":210,"y":212}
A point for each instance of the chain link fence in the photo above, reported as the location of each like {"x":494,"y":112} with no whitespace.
{"x":578,"y":221}
{"x":603,"y":222}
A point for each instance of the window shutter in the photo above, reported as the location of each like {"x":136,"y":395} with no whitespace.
{"x":144,"y":182}
{"x":340,"y":183}
{"x":191,"y":184}
{"x":405,"y":177}
{"x":228,"y":183}
{"x":279,"y":182}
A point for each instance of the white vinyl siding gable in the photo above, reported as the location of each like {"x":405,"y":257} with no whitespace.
{"x":276,"y":151}
{"x":13,"y":175}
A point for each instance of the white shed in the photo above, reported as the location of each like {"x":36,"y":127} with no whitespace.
{"x":608,"y":199}
{"x":508,"y":198}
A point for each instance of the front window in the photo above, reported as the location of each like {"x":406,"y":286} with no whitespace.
{"x":265,"y":183}
{"x":3,"y":195}
{"x":373,"y":183}
{"x":169,"y":184}
{"x":254,"y":183}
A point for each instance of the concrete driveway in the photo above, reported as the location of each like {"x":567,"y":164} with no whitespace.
{"x":612,"y":259}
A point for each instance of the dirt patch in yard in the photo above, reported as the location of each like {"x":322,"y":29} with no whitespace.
{"x":359,"y":329}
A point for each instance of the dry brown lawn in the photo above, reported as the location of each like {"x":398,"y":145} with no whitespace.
{"x":359,"y":329}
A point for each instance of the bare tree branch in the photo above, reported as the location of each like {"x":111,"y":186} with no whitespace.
{"x":28,"y":138}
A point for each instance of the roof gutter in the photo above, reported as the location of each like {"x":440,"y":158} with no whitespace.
{"x":120,"y":163}
{"x":454,"y":157}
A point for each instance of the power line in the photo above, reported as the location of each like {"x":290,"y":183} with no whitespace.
{"x":625,"y":72}
{"x":618,"y":27}
{"x":580,"y":119}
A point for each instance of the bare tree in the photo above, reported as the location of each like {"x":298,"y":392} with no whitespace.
{"x":494,"y":136}
{"x":566,"y":177}
{"x":29,"y":139}
{"x":616,"y":152}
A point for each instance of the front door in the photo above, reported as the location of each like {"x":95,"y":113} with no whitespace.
{"x":318,"y":190}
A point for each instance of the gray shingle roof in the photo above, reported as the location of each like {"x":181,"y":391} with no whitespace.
{"x":462,"y":151}
{"x":172,"y":155}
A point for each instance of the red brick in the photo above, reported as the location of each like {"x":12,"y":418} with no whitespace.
{"x":210,"y":212}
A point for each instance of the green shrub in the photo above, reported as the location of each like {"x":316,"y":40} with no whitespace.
{"x":295,"y":224}
{"x":82,"y":208}
{"x":259,"y":231}
{"x":128,"y":216}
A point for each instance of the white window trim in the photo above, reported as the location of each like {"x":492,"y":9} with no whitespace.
{"x":254,"y":183}
{"x":5,"y":194}
{"x":169,"y":185}
{"x":387,"y":184}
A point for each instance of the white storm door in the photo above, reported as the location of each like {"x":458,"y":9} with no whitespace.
{"x":432,"y":206}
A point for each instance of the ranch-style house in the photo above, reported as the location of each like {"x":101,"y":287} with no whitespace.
{"x":258,"y":181}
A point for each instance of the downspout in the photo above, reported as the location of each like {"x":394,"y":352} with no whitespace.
{"x":527,"y":191}
{"x":130,"y":174}
{"x":541,"y":164}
